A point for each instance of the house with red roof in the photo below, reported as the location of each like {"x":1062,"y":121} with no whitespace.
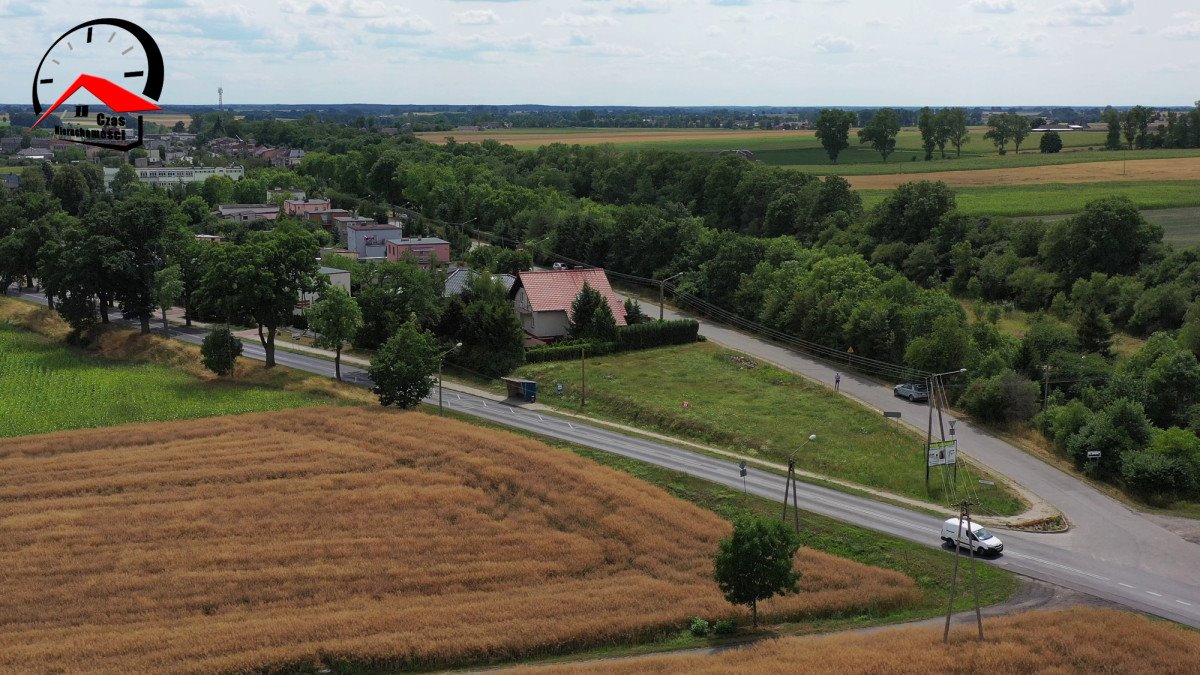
{"x":543,"y":300}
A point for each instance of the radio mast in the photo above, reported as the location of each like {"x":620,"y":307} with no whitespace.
{"x":221,"y":99}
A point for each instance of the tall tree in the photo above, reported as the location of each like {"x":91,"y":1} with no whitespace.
{"x":1112,"y":118}
{"x":999,"y":132}
{"x":1018,"y":130}
{"x":1137,"y":126}
{"x":881,"y":132}
{"x":955,"y":127}
{"x":336,"y":319}
{"x":490,"y":332}
{"x":756,"y":562}
{"x":833,"y":130}
{"x":168,"y":289}
{"x":263,"y":279}
{"x":144,"y":224}
{"x":928,"y":126}
{"x":1094,"y":330}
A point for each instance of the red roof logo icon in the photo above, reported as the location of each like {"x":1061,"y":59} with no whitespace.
{"x":115,"y":97}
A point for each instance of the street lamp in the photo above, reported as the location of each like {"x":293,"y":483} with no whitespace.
{"x":441,"y":358}
{"x":661,"y":285}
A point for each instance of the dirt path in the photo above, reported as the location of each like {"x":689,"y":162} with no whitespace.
{"x":1183,"y":168}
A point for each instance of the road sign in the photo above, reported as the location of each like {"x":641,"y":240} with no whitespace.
{"x":559,"y":388}
{"x":1093,"y":454}
{"x":742,"y":466}
{"x":896,"y":415}
{"x":943,"y":452}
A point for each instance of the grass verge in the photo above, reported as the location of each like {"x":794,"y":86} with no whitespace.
{"x":740,"y":404}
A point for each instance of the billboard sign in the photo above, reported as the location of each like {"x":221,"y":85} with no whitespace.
{"x":942,"y":453}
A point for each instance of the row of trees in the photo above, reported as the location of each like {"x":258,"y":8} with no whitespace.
{"x":946,"y":126}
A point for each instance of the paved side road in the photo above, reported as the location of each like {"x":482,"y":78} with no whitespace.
{"x":1173,"y":595}
{"x":1102,"y":528}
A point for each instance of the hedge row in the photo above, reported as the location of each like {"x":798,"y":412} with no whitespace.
{"x":567,"y":352}
{"x":657,"y":334}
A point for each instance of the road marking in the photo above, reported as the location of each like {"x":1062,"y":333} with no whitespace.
{"x":512,"y":411}
{"x":1125,"y":585}
{"x":570,"y":425}
{"x":1060,"y":566}
{"x":1157,"y":595}
{"x":1184,"y":603}
{"x":540,"y":418}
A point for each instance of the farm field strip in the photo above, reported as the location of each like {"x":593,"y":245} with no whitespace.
{"x":274,"y":540}
{"x":1081,"y":640}
{"x":1176,"y":169}
{"x":1056,"y":199}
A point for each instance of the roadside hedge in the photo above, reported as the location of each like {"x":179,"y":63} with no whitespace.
{"x":639,"y":336}
{"x":561,"y":352}
{"x":657,"y":334}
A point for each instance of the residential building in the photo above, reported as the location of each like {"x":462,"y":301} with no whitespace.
{"x":34,"y":153}
{"x":299,"y":207}
{"x":326,"y":218}
{"x":247,"y":212}
{"x":293,"y":158}
{"x":10,"y":144}
{"x":428,"y":251}
{"x":210,"y":238}
{"x":459,"y":278}
{"x":543,"y":300}
{"x":337,"y":279}
{"x":12,"y":181}
{"x":182,"y":174}
{"x":344,"y":252}
{"x":364,"y":236}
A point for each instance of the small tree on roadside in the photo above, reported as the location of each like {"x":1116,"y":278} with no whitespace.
{"x":335,"y":318}
{"x":168,"y":289}
{"x":755,"y":563}
{"x":584,"y":310}
{"x":220,"y":350}
{"x":403,"y":368}
{"x":633,"y":312}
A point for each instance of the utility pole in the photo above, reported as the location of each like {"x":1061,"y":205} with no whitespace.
{"x":928,"y":433}
{"x":790,"y":483}
{"x":964,"y":512}
{"x":661,"y":300}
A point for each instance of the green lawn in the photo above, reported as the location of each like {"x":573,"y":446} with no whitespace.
{"x":1059,"y":198}
{"x":49,"y":387}
{"x":749,"y":407}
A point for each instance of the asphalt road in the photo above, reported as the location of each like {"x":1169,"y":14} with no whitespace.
{"x":1171,"y":590}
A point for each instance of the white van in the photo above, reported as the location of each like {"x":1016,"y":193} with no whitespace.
{"x":978,"y":538}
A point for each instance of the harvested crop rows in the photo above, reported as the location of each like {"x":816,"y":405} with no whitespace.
{"x":285,"y":539}
{"x":1178,"y":169}
{"x":1065,"y":641}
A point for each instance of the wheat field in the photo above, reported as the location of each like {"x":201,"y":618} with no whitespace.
{"x":290,"y":539}
{"x":1080,"y":640}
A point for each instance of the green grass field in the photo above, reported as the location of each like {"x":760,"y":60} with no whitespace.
{"x":49,"y":387}
{"x":756,"y":409}
{"x":1060,"y":198}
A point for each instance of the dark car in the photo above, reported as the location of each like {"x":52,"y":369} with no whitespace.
{"x":912,"y":392}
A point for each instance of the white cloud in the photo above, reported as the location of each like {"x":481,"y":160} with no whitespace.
{"x":833,"y":44}
{"x":579,"y":20}
{"x":400,"y":25}
{"x":994,"y":6}
{"x":477,"y":17}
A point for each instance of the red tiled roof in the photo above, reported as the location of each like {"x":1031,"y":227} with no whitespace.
{"x":554,"y":291}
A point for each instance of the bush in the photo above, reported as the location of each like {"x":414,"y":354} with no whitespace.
{"x":219,"y":351}
{"x":566,"y":352}
{"x":725,"y":627}
{"x":657,"y":334}
{"x":1051,"y":142}
{"x":1157,"y":478}
{"x":698,"y":626}
{"x":1004,"y":398}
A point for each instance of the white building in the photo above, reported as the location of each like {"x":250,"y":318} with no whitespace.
{"x":337,"y":279}
{"x":179,"y":174}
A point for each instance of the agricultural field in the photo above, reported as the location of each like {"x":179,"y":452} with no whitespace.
{"x":1075,"y":641}
{"x":167,"y":118}
{"x":319,"y":537}
{"x":1184,"y":170}
{"x":802,"y":150}
{"x":1058,"y":198}
{"x":49,"y":386}
{"x":740,"y":404}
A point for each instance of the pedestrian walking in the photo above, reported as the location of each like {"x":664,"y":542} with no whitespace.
{"x":837,"y":381}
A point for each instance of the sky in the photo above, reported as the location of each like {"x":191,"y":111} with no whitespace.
{"x":644,"y":52}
